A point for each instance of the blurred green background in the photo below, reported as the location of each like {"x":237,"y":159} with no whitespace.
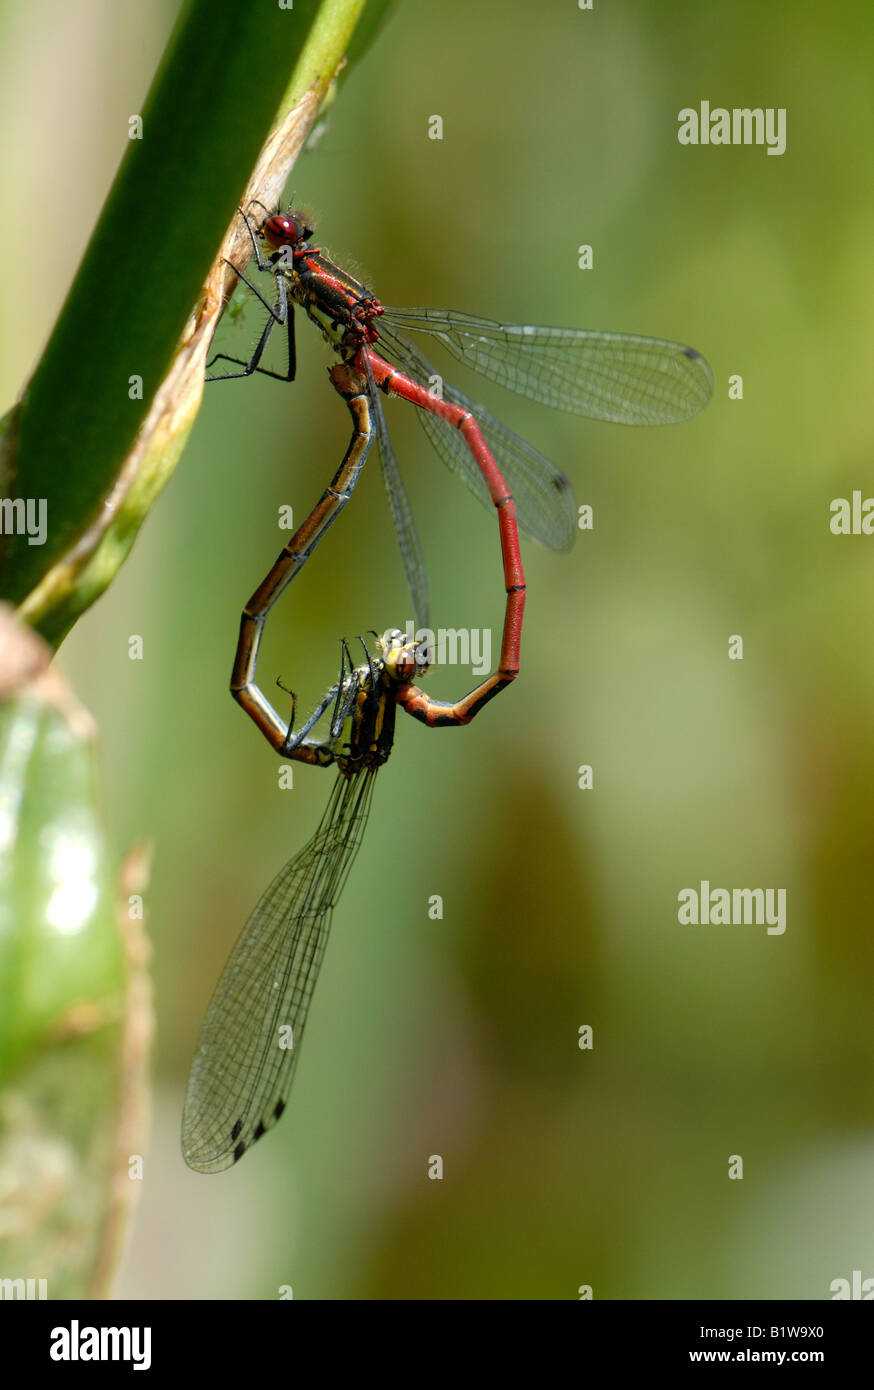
{"x":459,"y":1037}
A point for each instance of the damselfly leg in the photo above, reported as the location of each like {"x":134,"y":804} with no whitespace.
{"x":279,"y":312}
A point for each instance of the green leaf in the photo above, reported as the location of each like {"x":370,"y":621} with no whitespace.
{"x":86,"y":441}
{"x":63,"y":1021}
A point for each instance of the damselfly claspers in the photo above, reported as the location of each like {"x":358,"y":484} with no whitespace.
{"x":249,"y":1041}
{"x":619,"y":377}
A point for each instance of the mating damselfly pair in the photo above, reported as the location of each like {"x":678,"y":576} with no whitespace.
{"x":250,"y":1039}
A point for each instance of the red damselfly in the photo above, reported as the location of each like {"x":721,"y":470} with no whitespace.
{"x":619,"y":377}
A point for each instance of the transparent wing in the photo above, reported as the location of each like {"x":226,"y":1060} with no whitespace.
{"x":619,"y":377}
{"x":402,"y":516}
{"x":545,"y":507}
{"x":243,"y":1065}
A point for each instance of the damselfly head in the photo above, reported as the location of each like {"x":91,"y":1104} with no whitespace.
{"x":402,"y":658}
{"x":287,"y":229}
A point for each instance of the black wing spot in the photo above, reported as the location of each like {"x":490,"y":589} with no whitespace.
{"x":259,"y":1130}
{"x":278,"y":1109}
{"x":560,"y":482}
{"x":235,"y":1132}
{"x":691,"y":352}
{"x":239,"y":1151}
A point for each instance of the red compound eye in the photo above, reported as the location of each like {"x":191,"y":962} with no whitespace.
{"x":279,"y":230}
{"x":287,"y":229}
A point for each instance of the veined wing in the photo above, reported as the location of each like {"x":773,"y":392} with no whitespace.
{"x":250,"y":1039}
{"x":402,"y":516}
{"x":545,"y":507}
{"x":619,"y":377}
